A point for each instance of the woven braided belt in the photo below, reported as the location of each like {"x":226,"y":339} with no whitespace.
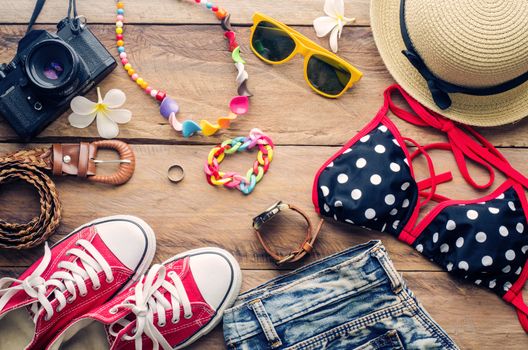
{"x":27,"y":166}
{"x":60,"y":159}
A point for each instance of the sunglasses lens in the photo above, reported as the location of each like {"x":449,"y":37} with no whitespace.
{"x":327,"y":75}
{"x":271,"y":42}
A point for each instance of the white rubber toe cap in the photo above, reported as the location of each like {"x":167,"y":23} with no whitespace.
{"x":216,"y":274}
{"x":129,"y":238}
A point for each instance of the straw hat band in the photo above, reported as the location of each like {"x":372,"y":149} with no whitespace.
{"x":440,"y":88}
{"x":472,"y":55}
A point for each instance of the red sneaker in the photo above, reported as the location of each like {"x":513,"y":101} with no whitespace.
{"x":82,"y":271}
{"x":171,"y":307}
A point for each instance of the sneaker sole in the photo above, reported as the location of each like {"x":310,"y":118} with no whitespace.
{"x":229,"y":298}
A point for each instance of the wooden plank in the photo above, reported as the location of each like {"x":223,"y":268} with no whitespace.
{"x":194,"y":214}
{"x":473,"y":317}
{"x":192,"y":63}
{"x":185,"y":54}
{"x":179,"y":11}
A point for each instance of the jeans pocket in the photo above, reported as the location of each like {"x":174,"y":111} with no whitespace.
{"x":349,"y":341}
{"x":387,"y":341}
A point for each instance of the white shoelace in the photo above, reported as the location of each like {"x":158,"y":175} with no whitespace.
{"x":68,"y":277}
{"x":147,"y":301}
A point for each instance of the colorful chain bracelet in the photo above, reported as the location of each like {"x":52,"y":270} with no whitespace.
{"x":169,"y":108}
{"x":253,"y":176}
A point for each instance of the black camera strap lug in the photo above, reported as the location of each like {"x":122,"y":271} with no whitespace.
{"x":77,"y":23}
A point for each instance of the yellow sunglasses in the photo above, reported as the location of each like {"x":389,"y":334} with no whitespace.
{"x":325,"y":72}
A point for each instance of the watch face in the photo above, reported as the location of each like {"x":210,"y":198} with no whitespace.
{"x":274,"y":206}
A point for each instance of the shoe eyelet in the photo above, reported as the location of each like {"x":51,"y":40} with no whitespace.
{"x":70,"y":300}
{"x":112,"y":311}
{"x":171,"y":273}
{"x":162,"y":324}
{"x":96,"y":288}
{"x":83,"y":295}
{"x":110,"y":280}
{"x":188,"y":316}
{"x":175,"y":321}
{"x":47,"y":318}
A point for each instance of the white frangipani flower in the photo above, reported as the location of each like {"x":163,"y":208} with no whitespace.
{"x":106,"y":110}
{"x":333,"y":22}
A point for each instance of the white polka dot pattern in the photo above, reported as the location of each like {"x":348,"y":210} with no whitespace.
{"x":483,"y":242}
{"x":375,"y":179}
{"x":361,"y":162}
{"x":342,"y":178}
{"x":379,"y":149}
{"x":390,"y":199}
{"x":370,"y":213}
{"x":371,"y":184}
{"x":487,"y":260}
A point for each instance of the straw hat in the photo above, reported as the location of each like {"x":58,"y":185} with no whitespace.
{"x":479,"y":47}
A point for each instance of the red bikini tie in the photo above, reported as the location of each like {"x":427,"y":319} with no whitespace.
{"x":463,"y":141}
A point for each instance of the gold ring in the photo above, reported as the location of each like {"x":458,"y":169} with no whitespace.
{"x":175,"y":173}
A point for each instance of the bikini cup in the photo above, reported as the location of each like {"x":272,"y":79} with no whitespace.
{"x":370,"y":183}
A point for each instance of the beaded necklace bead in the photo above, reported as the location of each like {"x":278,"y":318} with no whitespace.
{"x":169,"y":108}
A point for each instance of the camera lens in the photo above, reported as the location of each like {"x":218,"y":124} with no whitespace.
{"x":51,"y":65}
{"x":53,"y":70}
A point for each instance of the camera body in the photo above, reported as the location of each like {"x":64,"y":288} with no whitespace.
{"x":48,"y":71}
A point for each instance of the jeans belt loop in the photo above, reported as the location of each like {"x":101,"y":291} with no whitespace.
{"x":395,"y":278}
{"x":265,"y":323}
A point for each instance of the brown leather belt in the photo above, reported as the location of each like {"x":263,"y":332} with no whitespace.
{"x":305,"y":247}
{"x":60,"y":159}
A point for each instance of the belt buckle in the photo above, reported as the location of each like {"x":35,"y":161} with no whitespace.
{"x":285,"y":259}
{"x":126,"y":161}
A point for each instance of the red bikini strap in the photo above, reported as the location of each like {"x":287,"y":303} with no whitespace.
{"x":515,"y":297}
{"x":461,"y":161}
{"x":463,"y":140}
{"x":427,"y":195}
{"x":436,"y":180}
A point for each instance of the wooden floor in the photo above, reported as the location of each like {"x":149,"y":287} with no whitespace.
{"x":180,"y":47}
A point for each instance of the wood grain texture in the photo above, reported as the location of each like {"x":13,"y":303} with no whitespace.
{"x":182,"y":11}
{"x":194,"y":214}
{"x":179,"y":47}
{"x":193,"y":65}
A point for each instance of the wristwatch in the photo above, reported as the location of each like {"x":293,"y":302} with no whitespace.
{"x":305,"y":247}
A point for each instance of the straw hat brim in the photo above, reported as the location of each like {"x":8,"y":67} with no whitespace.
{"x":491,"y":110}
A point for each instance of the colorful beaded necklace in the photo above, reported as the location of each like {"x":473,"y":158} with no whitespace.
{"x":169,"y":108}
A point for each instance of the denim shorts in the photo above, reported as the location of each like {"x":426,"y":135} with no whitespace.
{"x":352,"y":300}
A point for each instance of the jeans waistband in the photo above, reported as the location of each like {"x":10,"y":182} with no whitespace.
{"x":345,"y":273}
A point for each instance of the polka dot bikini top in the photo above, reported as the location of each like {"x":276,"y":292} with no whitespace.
{"x":370,"y":182}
